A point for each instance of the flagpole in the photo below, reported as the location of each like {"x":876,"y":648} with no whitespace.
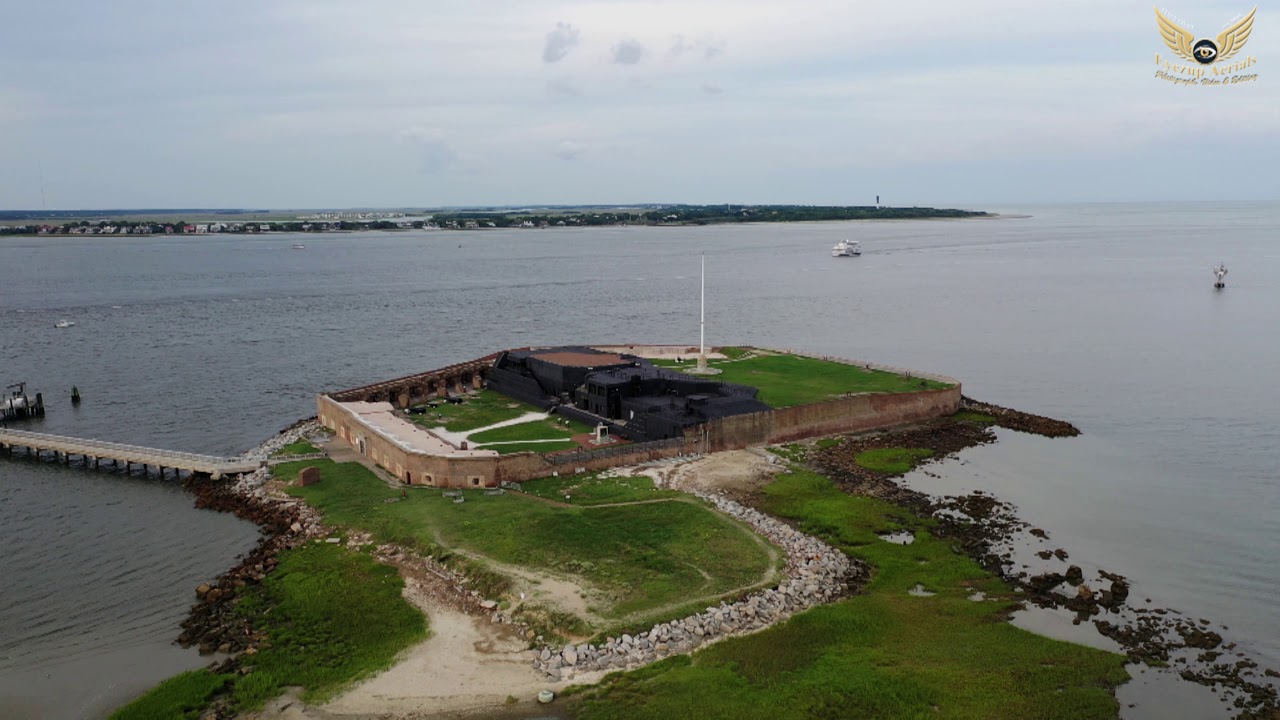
{"x":702,"y":323}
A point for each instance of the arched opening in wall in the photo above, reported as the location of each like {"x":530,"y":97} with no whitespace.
{"x":429,"y":480}
{"x":361,"y":446}
{"x":476,"y":480}
{"x":408,"y":478}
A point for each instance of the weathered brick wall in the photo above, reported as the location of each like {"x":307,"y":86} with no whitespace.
{"x":856,"y":413}
{"x":860,"y":413}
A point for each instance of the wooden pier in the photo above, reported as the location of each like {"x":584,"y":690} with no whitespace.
{"x":92,"y":453}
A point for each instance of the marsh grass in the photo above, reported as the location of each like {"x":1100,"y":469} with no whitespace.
{"x":332,"y":616}
{"x":974,"y":417}
{"x":882,"y":653}
{"x":892,"y":461}
{"x":181,"y":697}
{"x":316,"y":609}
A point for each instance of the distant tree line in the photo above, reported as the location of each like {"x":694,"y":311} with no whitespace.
{"x":497,"y":218}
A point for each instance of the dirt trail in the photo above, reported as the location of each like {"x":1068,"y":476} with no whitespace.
{"x":467,"y":665}
{"x":734,"y":472}
{"x":540,"y":587}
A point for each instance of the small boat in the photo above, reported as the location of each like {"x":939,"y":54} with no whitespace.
{"x":299,"y":246}
{"x":64,"y":324}
{"x":1219,"y":273}
{"x":844,"y":248}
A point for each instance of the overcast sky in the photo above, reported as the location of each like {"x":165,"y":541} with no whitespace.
{"x":320,"y":103}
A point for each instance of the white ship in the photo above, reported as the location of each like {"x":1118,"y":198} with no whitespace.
{"x":844,"y":248}
{"x":64,"y":324}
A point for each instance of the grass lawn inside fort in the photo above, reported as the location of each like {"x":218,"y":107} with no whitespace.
{"x":788,"y":380}
{"x":643,"y":559}
{"x":479,"y":411}
{"x":882,"y":653}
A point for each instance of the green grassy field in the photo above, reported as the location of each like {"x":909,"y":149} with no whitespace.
{"x":642,"y":556}
{"x":535,"y":447}
{"x":316,"y":609}
{"x":593,"y":489}
{"x":892,"y":461}
{"x":787,"y":380}
{"x":301,"y":447}
{"x":479,"y":410}
{"x":548,"y":429}
{"x":881,"y":654}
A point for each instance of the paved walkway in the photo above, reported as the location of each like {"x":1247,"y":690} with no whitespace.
{"x":457,"y":438}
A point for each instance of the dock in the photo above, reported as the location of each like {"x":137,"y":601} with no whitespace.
{"x":92,"y":453}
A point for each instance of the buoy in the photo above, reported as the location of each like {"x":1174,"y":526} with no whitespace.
{"x":546,"y":696}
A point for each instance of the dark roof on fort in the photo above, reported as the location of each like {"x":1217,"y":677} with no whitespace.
{"x":573,"y":358}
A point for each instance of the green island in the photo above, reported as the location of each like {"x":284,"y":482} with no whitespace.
{"x":576,"y":557}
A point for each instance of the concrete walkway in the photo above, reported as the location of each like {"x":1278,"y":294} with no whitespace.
{"x":457,"y":438}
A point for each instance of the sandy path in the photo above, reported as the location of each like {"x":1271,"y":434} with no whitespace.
{"x":468,"y":664}
{"x":735,"y":471}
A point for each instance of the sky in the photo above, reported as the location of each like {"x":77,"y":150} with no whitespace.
{"x":427,"y":103}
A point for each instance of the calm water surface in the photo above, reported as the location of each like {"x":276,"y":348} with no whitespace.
{"x":1103,"y":315}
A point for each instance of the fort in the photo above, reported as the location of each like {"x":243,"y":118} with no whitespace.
{"x":534,"y":412}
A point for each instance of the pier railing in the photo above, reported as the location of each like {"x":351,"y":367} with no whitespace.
{"x":124,"y":453}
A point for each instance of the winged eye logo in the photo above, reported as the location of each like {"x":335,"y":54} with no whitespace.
{"x":1205,"y":51}
{"x":1207,"y":55}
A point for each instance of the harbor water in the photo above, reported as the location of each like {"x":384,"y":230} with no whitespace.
{"x":1103,"y":315}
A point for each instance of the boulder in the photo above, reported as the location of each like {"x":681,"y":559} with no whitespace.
{"x":1075,"y":575}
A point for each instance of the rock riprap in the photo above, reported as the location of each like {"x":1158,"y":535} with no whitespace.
{"x":815,"y":573}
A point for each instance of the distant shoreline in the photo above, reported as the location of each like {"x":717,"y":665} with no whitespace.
{"x":109,"y":223}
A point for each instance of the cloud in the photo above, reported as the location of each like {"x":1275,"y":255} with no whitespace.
{"x":559,"y":42}
{"x":567,"y":150}
{"x":709,"y":49}
{"x":563,"y":87}
{"x":628,"y":52}
{"x":435,"y":154}
{"x":711,"y":88}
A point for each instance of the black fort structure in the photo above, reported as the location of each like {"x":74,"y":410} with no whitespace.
{"x":629,"y":394}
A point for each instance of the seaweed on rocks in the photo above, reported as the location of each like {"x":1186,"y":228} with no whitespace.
{"x":212,"y":624}
{"x":988,"y":529}
{"x":1020,"y":421}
